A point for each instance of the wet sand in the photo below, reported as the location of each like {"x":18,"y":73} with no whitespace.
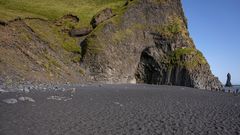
{"x":120,"y":110}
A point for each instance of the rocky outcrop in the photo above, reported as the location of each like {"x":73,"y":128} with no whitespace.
{"x":190,"y":70}
{"x":80,"y":32}
{"x":146,"y":42}
{"x":101,"y":17}
{"x":228,"y":83}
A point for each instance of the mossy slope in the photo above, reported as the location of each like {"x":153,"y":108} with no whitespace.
{"x":147,"y":40}
{"x":54,"y":9}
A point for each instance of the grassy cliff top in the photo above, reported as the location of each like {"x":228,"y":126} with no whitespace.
{"x":53,"y":9}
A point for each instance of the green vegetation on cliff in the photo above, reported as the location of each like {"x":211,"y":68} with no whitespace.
{"x":53,"y":9}
{"x":189,"y":57}
{"x":53,"y":35}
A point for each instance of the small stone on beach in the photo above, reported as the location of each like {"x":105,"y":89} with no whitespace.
{"x":26,"y":90}
{"x":10,"y":101}
{"x":26,"y":99}
{"x":117,"y":103}
{"x":58,"y":98}
{"x":2,"y":91}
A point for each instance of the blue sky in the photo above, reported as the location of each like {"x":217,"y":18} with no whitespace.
{"x":214,"y":26}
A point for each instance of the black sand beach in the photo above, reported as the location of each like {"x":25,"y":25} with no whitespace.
{"x":120,"y":110}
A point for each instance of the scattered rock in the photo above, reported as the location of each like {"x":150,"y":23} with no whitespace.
{"x":10,"y":101}
{"x":26,"y":90}
{"x":55,"y":98}
{"x":55,"y":88}
{"x":58,"y":98}
{"x":117,"y":103}
{"x":82,"y":85}
{"x":26,"y":99}
{"x":101,"y":17}
{"x":133,"y":81}
{"x":80,"y":32}
{"x":67,"y":99}
{"x":71,"y":90}
{"x":31,"y":87}
{"x":3,"y":91}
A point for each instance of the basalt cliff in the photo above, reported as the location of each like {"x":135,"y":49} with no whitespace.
{"x":141,"y":41}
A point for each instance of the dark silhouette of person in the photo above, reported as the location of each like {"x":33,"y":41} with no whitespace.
{"x":228,"y":83}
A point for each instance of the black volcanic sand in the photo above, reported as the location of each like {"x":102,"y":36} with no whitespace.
{"x":121,"y":110}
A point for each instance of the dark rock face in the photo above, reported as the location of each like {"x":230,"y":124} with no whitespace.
{"x":153,"y":69}
{"x":147,"y":42}
{"x":102,"y":16}
{"x":80,"y":32}
{"x":228,"y":83}
{"x":3,"y":23}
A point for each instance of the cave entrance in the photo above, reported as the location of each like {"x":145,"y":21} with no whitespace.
{"x":152,"y":70}
{"x":148,"y":70}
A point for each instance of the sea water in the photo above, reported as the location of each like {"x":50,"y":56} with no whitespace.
{"x":232,"y":89}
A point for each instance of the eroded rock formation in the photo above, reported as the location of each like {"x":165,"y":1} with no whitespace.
{"x":228,"y":83}
{"x":144,"y":41}
{"x":147,"y":42}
